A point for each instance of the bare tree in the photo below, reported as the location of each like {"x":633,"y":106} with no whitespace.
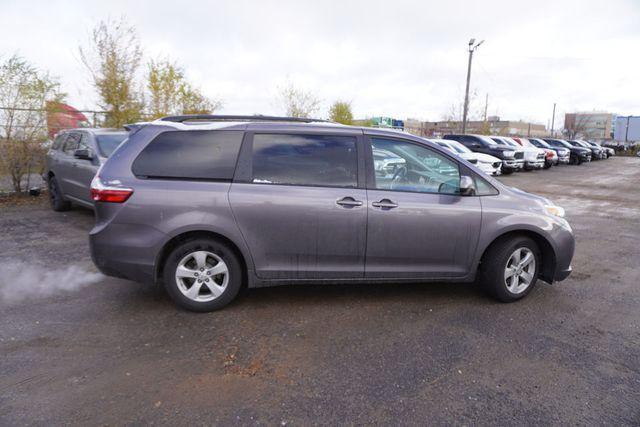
{"x":24,"y":93}
{"x":298,"y":102}
{"x":113,"y":57}
{"x":170,"y":93}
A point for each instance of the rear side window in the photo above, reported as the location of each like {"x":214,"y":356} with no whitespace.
{"x":313,"y":160}
{"x":190,"y":155}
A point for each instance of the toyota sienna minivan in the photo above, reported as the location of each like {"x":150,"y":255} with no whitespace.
{"x":207,"y":205}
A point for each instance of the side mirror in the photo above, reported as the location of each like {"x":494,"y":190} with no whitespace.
{"x":83,"y":154}
{"x":467,"y":186}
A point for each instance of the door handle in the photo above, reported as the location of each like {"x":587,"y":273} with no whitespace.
{"x":349,"y":202}
{"x":384,"y":204}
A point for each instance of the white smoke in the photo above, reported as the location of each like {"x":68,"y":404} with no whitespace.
{"x":20,"y":281}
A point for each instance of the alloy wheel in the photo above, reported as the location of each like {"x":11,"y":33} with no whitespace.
{"x":520,"y":270}
{"x":202,"y":276}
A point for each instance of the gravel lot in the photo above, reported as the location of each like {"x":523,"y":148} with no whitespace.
{"x":117,"y":352}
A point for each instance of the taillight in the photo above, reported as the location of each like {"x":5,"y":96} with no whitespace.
{"x":108,"y":193}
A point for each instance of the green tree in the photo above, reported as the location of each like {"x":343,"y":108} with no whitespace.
{"x":113,"y":57}
{"x":169,"y":93}
{"x":24,"y":93}
{"x":340,"y":112}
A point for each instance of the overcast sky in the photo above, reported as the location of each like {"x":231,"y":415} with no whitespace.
{"x":391,"y":58}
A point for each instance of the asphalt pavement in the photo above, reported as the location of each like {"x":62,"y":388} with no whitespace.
{"x":82,"y":349}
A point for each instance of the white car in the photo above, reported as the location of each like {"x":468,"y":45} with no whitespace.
{"x":533,"y":156}
{"x":486,"y":163}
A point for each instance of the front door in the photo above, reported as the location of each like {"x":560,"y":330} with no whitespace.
{"x":418,"y":224}
{"x":300,"y":207}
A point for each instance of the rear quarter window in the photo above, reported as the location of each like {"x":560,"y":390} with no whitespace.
{"x":207,"y":155}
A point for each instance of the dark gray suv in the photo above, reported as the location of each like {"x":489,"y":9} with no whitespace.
{"x":207,"y":205}
{"x":72,"y":162}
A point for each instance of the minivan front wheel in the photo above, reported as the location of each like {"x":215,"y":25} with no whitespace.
{"x":202,"y":275}
{"x":510,"y":269}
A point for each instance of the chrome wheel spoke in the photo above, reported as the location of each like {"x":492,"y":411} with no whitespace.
{"x":216,"y":290}
{"x":219,"y":268}
{"x":200,"y":258}
{"x":526,"y":277}
{"x":184,"y":272}
{"x":509,"y":272}
{"x":194,"y":291}
{"x":526,"y":260}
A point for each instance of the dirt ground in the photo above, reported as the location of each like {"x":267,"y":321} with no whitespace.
{"x":117,"y":352}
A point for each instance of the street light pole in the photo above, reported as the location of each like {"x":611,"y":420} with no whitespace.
{"x":472,"y":48}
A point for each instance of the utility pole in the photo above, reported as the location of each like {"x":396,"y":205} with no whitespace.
{"x":553,"y":119}
{"x":472,"y":48}
{"x":486,"y":105}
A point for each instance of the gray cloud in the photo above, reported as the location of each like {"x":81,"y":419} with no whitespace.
{"x":404,"y":59}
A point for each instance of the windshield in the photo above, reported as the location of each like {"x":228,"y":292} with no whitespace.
{"x":541,"y":143}
{"x":107,"y":143}
{"x":487,"y":140}
{"x":563,"y":143}
{"x":459,"y":147}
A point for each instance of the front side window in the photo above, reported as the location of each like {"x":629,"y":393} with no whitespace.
{"x":309,"y":160}
{"x":58,"y":143}
{"x":404,"y":166}
{"x":207,"y":155}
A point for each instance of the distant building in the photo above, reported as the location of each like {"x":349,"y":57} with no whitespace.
{"x":493,"y":126}
{"x":590,"y":125}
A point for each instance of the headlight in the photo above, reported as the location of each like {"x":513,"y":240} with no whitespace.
{"x":508,"y":153}
{"x":554,"y":210}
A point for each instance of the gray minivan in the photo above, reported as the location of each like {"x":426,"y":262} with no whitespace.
{"x":72,"y":162}
{"x":207,"y":205}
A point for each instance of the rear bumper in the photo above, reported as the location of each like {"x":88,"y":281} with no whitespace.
{"x":119,"y":251}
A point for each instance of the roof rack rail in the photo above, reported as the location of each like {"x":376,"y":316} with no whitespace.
{"x":223,"y":118}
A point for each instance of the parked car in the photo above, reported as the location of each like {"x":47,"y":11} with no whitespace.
{"x":563,"y":154}
{"x":72,"y":162}
{"x":207,"y":205}
{"x":604,"y":153}
{"x":550,"y":157}
{"x":512,"y":160}
{"x":578,"y":155}
{"x":533,"y":158}
{"x":596,"y":153}
{"x":486,"y":163}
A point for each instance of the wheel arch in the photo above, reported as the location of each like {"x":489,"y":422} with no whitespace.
{"x":547,"y":251}
{"x":186,"y":236}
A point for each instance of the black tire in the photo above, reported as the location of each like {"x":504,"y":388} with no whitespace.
{"x":547,"y":165}
{"x":507,"y":171}
{"x":494,"y":263}
{"x":212,"y":246}
{"x":58,"y":203}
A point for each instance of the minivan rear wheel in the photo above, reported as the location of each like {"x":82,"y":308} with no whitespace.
{"x":510,"y":269}
{"x":202,"y":275}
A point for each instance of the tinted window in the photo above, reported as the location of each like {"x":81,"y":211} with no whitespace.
{"x":72,"y":142}
{"x":404,"y":166}
{"x":315,"y":160}
{"x":107,"y":143}
{"x":190,"y":154}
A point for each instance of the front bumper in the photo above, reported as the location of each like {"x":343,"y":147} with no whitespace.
{"x":534,"y":164}
{"x":564,"y":160}
{"x":513,"y":164}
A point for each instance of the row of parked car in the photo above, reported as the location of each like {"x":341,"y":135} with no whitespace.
{"x":496,"y":155}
